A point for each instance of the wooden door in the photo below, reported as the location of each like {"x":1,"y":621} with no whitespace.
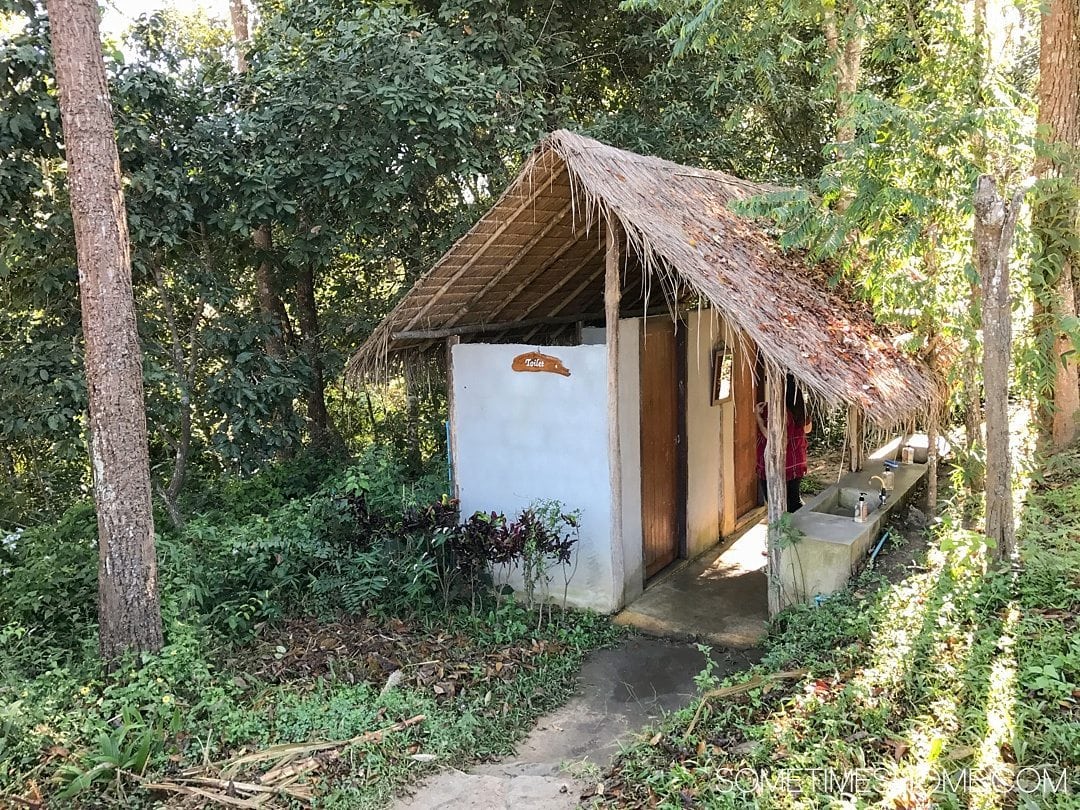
{"x":744,"y":393}
{"x":662,"y":459}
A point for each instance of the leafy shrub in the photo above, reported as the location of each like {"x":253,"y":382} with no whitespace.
{"x":363,"y":541}
{"x":48,"y":587}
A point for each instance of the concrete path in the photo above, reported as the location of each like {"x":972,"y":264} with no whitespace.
{"x":621,"y":690}
{"x":720,"y":597}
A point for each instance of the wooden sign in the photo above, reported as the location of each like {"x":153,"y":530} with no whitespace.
{"x":535,"y":361}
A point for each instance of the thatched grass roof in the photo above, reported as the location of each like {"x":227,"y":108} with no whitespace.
{"x":534,"y":264}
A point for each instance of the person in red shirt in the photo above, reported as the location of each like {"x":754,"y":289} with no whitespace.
{"x":798,"y":425}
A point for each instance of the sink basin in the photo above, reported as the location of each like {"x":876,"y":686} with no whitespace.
{"x":831,"y":545}
{"x":842,"y":503}
{"x":843,"y":511}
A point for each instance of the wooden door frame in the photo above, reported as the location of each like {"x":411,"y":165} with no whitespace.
{"x":682,"y":464}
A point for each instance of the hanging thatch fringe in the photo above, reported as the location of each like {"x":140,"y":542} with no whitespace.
{"x":680,"y":231}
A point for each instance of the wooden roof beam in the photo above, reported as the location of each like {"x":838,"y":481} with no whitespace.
{"x":510,"y":265}
{"x":543,"y":268}
{"x":494,"y":237}
{"x":573,"y":294}
{"x":483,"y":328}
{"x":573,"y":274}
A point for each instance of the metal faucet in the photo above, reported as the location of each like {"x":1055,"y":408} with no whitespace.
{"x":883,"y":495}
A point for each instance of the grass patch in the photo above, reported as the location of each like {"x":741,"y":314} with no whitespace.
{"x":949,"y":688}
{"x":374,"y":562}
{"x":76,"y":738}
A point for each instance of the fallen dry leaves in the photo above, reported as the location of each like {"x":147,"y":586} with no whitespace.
{"x":359,"y":650}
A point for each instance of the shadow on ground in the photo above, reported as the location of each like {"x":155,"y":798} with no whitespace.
{"x":622,"y":690}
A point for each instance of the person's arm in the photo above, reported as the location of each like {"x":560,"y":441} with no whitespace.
{"x":760,"y":420}
{"x":808,"y":427}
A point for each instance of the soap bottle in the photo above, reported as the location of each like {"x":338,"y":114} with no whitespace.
{"x":862,"y":509}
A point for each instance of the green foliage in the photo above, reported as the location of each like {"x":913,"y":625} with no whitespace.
{"x":757,"y":66}
{"x":296,"y":538}
{"x":81,"y":735}
{"x":48,"y":588}
{"x":936,"y":688}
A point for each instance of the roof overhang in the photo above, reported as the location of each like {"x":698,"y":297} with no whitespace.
{"x":533,"y":266}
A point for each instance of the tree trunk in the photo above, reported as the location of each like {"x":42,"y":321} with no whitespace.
{"x":275,"y":321}
{"x":239,"y":15}
{"x":184,"y":369}
{"x":320,"y":425}
{"x":971,"y":384}
{"x":1056,"y":218}
{"x":995,"y":224}
{"x":413,"y":455}
{"x":775,"y":479}
{"x":129,"y":610}
{"x":844,"y":40}
{"x":271,"y":309}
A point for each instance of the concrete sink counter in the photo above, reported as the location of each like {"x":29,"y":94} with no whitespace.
{"x":833,"y":546}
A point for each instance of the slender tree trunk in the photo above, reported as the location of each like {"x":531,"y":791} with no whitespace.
{"x":412,"y":416}
{"x":129,"y":610}
{"x":845,"y":41}
{"x":184,"y":369}
{"x":1056,"y":218}
{"x":238,"y":14}
{"x":972,"y":385}
{"x":271,"y":309}
{"x":854,"y":433}
{"x":323,"y":434}
{"x":995,"y":224}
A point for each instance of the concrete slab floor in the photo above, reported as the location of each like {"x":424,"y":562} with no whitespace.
{"x":719,"y":598}
{"x":621,"y":691}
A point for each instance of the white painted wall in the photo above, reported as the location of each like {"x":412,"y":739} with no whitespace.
{"x":525,"y":436}
{"x":704,"y":433}
{"x":633,"y":563}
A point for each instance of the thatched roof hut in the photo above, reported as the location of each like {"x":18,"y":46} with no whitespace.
{"x":534,"y":265}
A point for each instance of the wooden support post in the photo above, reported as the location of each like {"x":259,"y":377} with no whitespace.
{"x":612,"y":300}
{"x":932,"y":430}
{"x":855,"y":437}
{"x":451,"y":414}
{"x":775,"y":478}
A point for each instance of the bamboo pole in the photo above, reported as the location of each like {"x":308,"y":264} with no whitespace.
{"x":856,"y":453}
{"x":451,"y":414}
{"x":775,"y":478}
{"x":612,"y":300}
